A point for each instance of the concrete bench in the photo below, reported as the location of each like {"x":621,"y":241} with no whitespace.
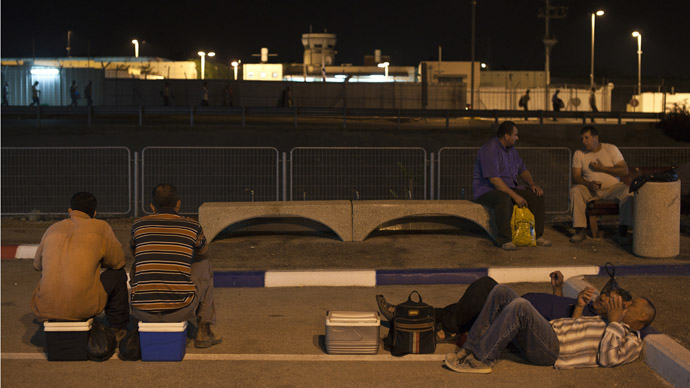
{"x":367,"y":216}
{"x":337,"y":215}
{"x":350,"y":220}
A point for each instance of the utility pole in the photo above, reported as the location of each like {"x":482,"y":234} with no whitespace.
{"x":549,"y":12}
{"x":69,"y":45}
{"x":474,"y":17}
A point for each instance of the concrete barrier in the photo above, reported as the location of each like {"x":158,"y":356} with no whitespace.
{"x":369,"y":215}
{"x":336,"y":215}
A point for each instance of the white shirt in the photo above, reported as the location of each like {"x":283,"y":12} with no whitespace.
{"x":608,"y":156}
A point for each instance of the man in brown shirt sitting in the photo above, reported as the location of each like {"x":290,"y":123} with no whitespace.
{"x":70,"y":258}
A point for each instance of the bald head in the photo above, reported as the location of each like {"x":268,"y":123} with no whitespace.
{"x":640,"y":313}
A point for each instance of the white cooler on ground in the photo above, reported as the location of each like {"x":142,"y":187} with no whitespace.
{"x":352,"y":332}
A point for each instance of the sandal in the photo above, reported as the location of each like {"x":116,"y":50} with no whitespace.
{"x":385,"y":308}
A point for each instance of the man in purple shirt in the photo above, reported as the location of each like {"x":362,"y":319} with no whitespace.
{"x":495,"y":185}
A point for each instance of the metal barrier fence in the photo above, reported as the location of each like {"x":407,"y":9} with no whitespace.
{"x":357,"y":173}
{"x":211,"y":174}
{"x":658,"y":157}
{"x":43,"y":179}
{"x":549,"y":166}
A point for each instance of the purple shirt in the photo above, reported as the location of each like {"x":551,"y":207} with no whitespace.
{"x":494,"y":160}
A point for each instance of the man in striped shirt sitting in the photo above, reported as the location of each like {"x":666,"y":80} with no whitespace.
{"x":564,"y":343}
{"x":172,"y":280}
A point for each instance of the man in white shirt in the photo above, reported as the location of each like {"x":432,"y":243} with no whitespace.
{"x":596,"y":173}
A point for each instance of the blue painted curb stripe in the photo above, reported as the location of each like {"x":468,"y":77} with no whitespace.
{"x":239,"y":278}
{"x":429,"y":276}
{"x":654,"y":270}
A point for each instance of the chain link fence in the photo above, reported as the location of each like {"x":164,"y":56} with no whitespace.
{"x":550,"y":168}
{"x":211,"y":174}
{"x":357,"y":173}
{"x":42,"y":180}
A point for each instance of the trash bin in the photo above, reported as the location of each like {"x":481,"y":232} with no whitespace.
{"x":657,"y":220}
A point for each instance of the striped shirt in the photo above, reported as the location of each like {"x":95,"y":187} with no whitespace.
{"x":591,"y":342}
{"x":164,"y":246}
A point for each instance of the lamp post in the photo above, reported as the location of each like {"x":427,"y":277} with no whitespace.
{"x":637,"y":35}
{"x":234,"y":66}
{"x":136,"y":48}
{"x":591,"y":71}
{"x":385,"y":68}
{"x":203,"y":55}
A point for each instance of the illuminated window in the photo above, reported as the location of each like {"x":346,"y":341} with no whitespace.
{"x":251,"y":74}
{"x":275,"y":75}
{"x":262,"y":75}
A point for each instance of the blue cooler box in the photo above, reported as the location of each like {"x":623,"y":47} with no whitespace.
{"x":66,"y":341}
{"x":163,"y":341}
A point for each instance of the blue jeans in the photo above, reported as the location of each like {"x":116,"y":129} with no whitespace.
{"x":508,"y":318}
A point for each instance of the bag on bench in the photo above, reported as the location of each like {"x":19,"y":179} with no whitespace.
{"x":412,"y":328}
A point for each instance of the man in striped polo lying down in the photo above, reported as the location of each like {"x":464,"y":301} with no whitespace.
{"x":172,"y":280}
{"x":564,"y":343}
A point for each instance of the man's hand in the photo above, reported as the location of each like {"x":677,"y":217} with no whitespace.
{"x":614,"y":309}
{"x":595,"y":166}
{"x":584,"y":296}
{"x":594,"y":186}
{"x":521,"y":202}
{"x":557,"y":282}
{"x":537,"y":190}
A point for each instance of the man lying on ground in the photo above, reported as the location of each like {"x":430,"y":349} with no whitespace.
{"x":564,"y":343}
{"x":456,"y":319}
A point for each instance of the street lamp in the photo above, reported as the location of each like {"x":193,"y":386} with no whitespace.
{"x":637,"y":35}
{"x":484,"y":66}
{"x":591,"y":72}
{"x":203,"y":55}
{"x":385,"y":68}
{"x":234,"y":65}
{"x":136,"y":48}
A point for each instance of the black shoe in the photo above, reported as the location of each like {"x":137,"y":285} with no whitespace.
{"x":385,"y":308}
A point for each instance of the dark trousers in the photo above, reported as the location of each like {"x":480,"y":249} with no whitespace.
{"x":459,"y":317}
{"x":117,"y":308}
{"x":502,"y":205}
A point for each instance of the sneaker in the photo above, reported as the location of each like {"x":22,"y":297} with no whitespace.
{"x":467,"y":364}
{"x":509,"y":246}
{"x":385,"y":308}
{"x":542,"y":242}
{"x":205,"y":337}
{"x":579,"y":236}
{"x":460,"y":353}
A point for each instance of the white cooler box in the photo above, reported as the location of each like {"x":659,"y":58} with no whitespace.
{"x":352,"y":332}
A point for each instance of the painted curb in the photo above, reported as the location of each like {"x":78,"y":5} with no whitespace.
{"x":344,"y":278}
{"x":668,"y":358}
{"x":24,"y":251}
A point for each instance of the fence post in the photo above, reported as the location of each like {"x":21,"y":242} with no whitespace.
{"x":398,"y":118}
{"x":344,"y":117}
{"x":38,"y":116}
{"x":141,"y":114}
{"x":496,"y":116}
{"x":431,"y":176}
{"x":191,"y":116}
{"x":620,"y":118}
{"x":541,"y":117}
{"x":136,"y":184}
{"x":284,"y":176}
{"x":295,"y":117}
{"x":447,"y":118}
{"x":584,"y":118}
{"x":89,"y":110}
{"x":243,"y":115}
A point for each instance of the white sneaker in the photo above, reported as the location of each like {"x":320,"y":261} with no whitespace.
{"x":509,"y":246}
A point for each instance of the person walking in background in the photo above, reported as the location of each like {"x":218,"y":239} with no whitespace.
{"x":35,"y":93}
{"x":227,"y":95}
{"x":593,"y":102}
{"x":524,"y":102}
{"x":166,"y":94}
{"x":88,"y":93}
{"x":5,"y":92}
{"x":73,"y":93}
{"x":556,"y":103}
{"x":204,"y":94}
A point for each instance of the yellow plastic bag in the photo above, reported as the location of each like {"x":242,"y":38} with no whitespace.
{"x":522,"y":227}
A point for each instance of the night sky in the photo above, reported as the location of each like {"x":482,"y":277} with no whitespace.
{"x":509,"y":34}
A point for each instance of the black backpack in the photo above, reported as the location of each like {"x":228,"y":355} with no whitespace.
{"x":412,"y":328}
